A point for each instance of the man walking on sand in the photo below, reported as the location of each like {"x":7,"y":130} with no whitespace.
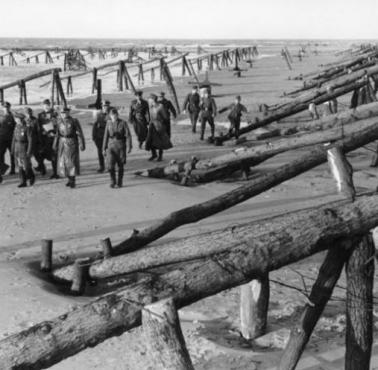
{"x":192,"y":105}
{"x":7,"y":125}
{"x":169,"y":110}
{"x":139,"y":116}
{"x":98,"y":132}
{"x":69,"y":138}
{"x":117,"y":142}
{"x":208,"y":111}
{"x":47,"y":121}
{"x":236,"y":111}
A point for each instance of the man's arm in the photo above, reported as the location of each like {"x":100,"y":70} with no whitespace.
{"x":172,"y":109}
{"x":80,"y":133}
{"x":106,"y":138}
{"x":186,"y":103}
{"x":30,"y":137}
{"x":214,"y":107}
{"x":129,"y":140}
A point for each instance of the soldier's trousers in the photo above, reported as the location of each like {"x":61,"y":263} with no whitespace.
{"x":4,"y":146}
{"x":100,"y":154}
{"x":193,"y":120}
{"x":235,"y":126}
{"x":204,"y":120}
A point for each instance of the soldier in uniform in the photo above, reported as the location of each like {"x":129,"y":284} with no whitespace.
{"x":117,"y":142}
{"x":47,"y":121}
{"x":69,"y":138}
{"x":32,"y":121}
{"x":192,"y":105}
{"x":169,"y":110}
{"x":236,"y":110}
{"x":140,"y":116}
{"x":98,"y":133}
{"x":22,"y":149}
{"x":208,"y":111}
{"x":157,"y":138}
{"x":7,"y":125}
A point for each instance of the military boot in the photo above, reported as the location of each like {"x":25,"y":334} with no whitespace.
{"x":160,"y":158}
{"x":22,"y":175}
{"x":120,"y":178}
{"x":72,"y":182}
{"x":112,"y":178}
{"x":31,"y":177}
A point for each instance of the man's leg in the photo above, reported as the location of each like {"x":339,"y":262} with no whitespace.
{"x":212,"y":126}
{"x":111,"y":165}
{"x":203,"y":127}
{"x":193,"y":121}
{"x":120,"y":172}
{"x":154,"y":155}
{"x":237,"y":128}
{"x":12,"y":161}
{"x":3,"y":166}
{"x":100,"y":156}
{"x":160,"y":158}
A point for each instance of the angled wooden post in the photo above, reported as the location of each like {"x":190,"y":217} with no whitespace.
{"x":164,"y":338}
{"x":321,"y":292}
{"x":359,"y":305}
{"x":342,"y":171}
{"x":94,"y":79}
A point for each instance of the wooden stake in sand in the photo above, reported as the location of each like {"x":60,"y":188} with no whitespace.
{"x":321,"y":292}
{"x":80,"y":276}
{"x":107,"y":248}
{"x":254,"y":302}
{"x":359,"y":305}
{"x":342,"y":171}
{"x":164,"y":338}
{"x":46,"y":255}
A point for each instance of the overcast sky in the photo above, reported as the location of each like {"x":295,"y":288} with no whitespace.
{"x":355,"y":19}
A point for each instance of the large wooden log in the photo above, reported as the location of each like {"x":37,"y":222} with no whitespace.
{"x":112,"y":266}
{"x":359,"y":305}
{"x":252,"y":156}
{"x":340,"y":87}
{"x":164,"y":338}
{"x":249,"y":256}
{"x":321,"y":292}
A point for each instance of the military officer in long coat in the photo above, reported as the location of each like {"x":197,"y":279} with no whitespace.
{"x":47,"y":121}
{"x":139,"y":117}
{"x":69,"y":138}
{"x":208,"y":111}
{"x":157,"y":139}
{"x":7,"y":125}
{"x":22,"y":149}
{"x":98,"y":133}
{"x":117,"y":143}
{"x":169,"y":110}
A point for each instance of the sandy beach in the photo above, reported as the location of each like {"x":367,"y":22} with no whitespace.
{"x":77,"y":219}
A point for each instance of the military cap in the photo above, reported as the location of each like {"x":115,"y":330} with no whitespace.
{"x":28,"y":109}
{"x":66,"y":109}
{"x":106,"y":103}
{"x":47,"y":102}
{"x":195,"y":87}
{"x":138,"y":93}
{"x":162,"y":94}
{"x":238,"y":97}
{"x":153,"y":96}
{"x":113,"y":111}
{"x":6,"y":104}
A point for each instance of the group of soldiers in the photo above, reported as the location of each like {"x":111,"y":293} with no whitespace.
{"x":49,"y":136}
{"x":57,"y":137}
{"x":204,"y":108}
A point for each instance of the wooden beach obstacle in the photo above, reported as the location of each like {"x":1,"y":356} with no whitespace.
{"x":21,"y":83}
{"x":290,"y":238}
{"x":74,"y":61}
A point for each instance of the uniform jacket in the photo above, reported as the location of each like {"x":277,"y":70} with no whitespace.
{"x":70,"y":128}
{"x":98,"y":130}
{"x":45,"y":118}
{"x":22,"y":143}
{"x":208,"y":107}
{"x":7,"y":125}
{"x":168,"y":108}
{"x":236,"y":110}
{"x":117,"y":131}
{"x":139,"y":111}
{"x":192,"y":103}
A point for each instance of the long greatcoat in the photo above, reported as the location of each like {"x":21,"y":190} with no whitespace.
{"x":157,"y":137}
{"x":69,"y":137}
